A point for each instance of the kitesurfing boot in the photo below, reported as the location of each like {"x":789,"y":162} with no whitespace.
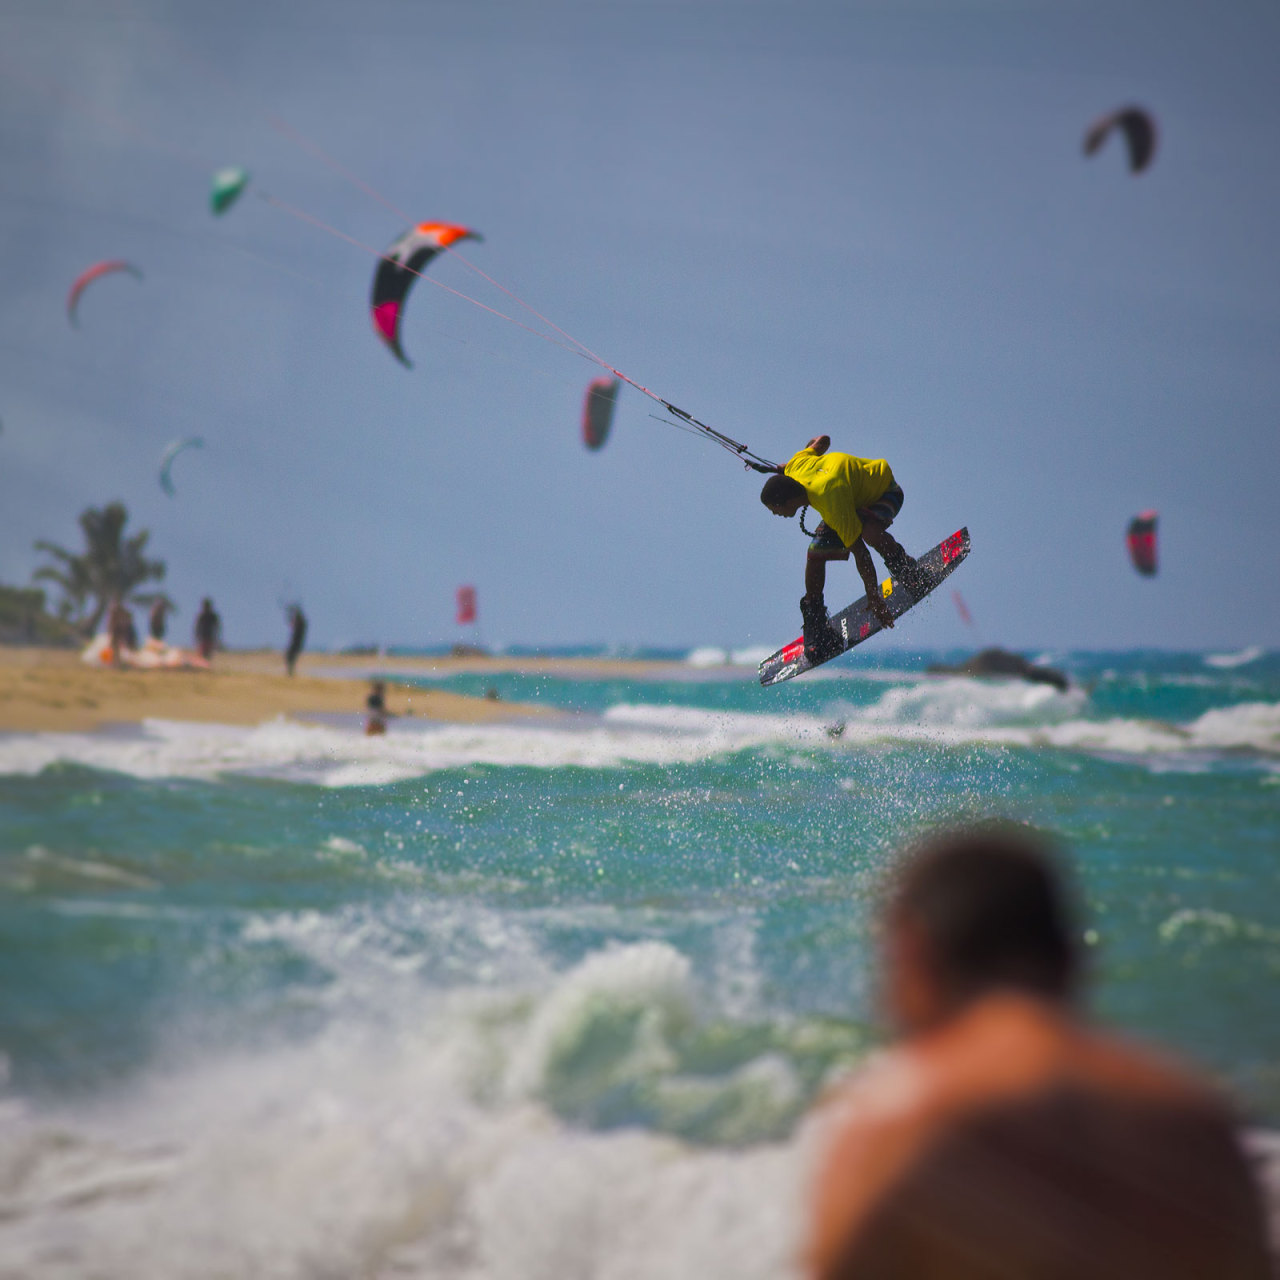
{"x":905,"y":569}
{"x":820,"y":641}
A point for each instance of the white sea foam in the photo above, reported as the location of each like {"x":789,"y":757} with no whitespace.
{"x":419,"y":1135}
{"x":1246,"y":726}
{"x":342,"y":846}
{"x":647,"y":985}
{"x":961,"y":711}
{"x":40,"y":868}
{"x":1225,"y":661}
{"x":946,"y":711}
{"x":714,"y":656}
{"x":961,"y":703}
{"x":341,"y":757}
{"x":84,"y":869}
{"x":707,"y":656}
{"x":1205,"y":926}
{"x":378,"y":1149}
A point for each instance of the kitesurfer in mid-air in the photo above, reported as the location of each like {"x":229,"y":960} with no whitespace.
{"x":858,"y":500}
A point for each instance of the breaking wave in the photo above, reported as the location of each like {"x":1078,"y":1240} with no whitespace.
{"x":1228,"y":661}
{"x":441,"y":1145}
{"x":713,"y":656}
{"x":942,"y":712}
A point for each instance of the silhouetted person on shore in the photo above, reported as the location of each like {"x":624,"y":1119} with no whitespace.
{"x":297,"y":636}
{"x":120,"y":629}
{"x":1003,"y":1138}
{"x":158,"y":618}
{"x":208,"y":629}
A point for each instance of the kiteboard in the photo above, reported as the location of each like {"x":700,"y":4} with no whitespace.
{"x":857,"y":623}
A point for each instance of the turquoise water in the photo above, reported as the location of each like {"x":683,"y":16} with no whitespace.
{"x":384,"y":994}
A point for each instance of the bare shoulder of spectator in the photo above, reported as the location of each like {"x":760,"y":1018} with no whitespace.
{"x":1003,"y":1135}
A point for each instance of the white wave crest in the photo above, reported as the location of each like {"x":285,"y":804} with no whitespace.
{"x":714,"y":656}
{"x":416,"y":1142}
{"x":958,"y":712}
{"x":1247,"y":726}
{"x":341,"y":758}
{"x":1226,"y":661}
{"x":963,"y":703}
{"x":949,"y":711}
{"x":646,"y":989}
{"x":707,"y":656}
{"x":372,"y":1151}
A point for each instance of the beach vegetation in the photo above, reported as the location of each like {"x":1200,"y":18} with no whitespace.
{"x":25,"y":619}
{"x":111,"y":564}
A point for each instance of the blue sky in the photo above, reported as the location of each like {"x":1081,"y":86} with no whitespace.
{"x":867,"y":219}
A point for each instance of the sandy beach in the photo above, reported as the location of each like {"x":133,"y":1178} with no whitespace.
{"x":52,"y":690}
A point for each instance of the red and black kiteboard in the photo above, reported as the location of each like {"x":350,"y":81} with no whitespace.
{"x":857,"y":623}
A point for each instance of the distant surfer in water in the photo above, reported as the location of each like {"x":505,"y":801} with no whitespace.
{"x":858,"y":499}
{"x":376,"y":707}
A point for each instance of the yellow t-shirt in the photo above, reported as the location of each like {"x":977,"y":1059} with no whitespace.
{"x":837,"y":484}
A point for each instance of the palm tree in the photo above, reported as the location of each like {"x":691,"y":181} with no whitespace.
{"x":111,"y":565}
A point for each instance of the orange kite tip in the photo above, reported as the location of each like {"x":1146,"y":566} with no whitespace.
{"x":444,"y":233}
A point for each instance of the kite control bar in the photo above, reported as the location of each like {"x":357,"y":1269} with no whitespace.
{"x":752,"y":460}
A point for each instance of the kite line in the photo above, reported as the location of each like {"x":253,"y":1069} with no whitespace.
{"x":566,"y":340}
{"x":752,"y":460}
{"x":315,"y":150}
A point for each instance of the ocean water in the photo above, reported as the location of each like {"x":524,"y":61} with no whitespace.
{"x":554,"y":999}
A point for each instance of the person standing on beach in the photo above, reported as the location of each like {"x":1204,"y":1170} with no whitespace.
{"x":120,"y":629}
{"x":297,"y":636}
{"x":158,"y":617}
{"x":208,"y":629}
{"x":1003,"y":1137}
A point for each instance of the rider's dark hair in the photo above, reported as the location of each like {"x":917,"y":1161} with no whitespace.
{"x":779,"y":489}
{"x":992,"y":910}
